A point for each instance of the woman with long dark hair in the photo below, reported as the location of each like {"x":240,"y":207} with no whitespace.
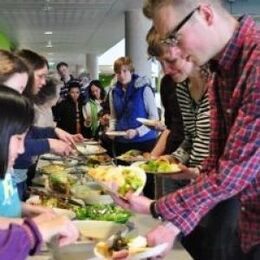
{"x":93,"y":108}
{"x":68,"y":112}
{"x":39,"y":140}
{"x":21,"y":237}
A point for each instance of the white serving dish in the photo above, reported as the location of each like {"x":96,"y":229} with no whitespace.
{"x":98,"y":229}
{"x":91,"y":195}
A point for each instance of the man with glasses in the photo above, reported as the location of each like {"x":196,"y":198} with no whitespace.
{"x":233,"y":167}
{"x":171,"y":38}
{"x":215,"y":237}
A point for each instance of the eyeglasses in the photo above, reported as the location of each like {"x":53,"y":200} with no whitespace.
{"x":171,"y":38}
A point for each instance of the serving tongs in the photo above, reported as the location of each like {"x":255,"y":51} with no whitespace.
{"x":70,"y":200}
{"x":64,"y":197}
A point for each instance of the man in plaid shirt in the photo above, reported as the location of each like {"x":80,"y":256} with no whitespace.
{"x":204,"y":31}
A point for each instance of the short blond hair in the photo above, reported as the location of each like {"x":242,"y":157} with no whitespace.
{"x":123,"y":61}
{"x":151,"y":6}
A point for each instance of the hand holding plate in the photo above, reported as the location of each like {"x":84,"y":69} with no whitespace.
{"x":135,"y":203}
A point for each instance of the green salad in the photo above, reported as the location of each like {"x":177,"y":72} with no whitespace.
{"x":132,"y":182}
{"x":107,"y":212}
{"x":158,"y":166}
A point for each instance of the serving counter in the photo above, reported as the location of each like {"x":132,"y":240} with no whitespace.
{"x":143,"y":224}
{"x":80,"y":251}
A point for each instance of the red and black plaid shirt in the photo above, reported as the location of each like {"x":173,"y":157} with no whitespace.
{"x":233,"y":167}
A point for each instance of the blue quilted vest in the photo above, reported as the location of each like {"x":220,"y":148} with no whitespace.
{"x":128,"y":106}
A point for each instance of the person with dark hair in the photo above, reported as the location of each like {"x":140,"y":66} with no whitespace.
{"x":39,"y":66}
{"x":44,"y":101}
{"x":60,"y":65}
{"x":93,"y":108}
{"x":19,"y":123}
{"x":15,"y":66}
{"x":21,"y":237}
{"x":68,"y":113}
{"x":12,"y":122}
{"x":173,"y":135}
{"x":84,"y":79}
{"x":191,"y":100}
{"x":65,"y":76}
{"x":38,"y":140}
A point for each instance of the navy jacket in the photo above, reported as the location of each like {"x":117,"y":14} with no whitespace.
{"x":128,"y":107}
{"x":36,"y":143}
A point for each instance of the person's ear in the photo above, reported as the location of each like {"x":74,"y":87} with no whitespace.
{"x":206,"y":13}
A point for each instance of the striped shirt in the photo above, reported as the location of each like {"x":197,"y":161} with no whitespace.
{"x":196,"y":119}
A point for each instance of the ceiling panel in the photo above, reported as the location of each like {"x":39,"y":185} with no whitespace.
{"x":78,"y":26}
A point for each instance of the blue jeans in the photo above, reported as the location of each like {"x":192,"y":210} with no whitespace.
{"x":254,"y":254}
{"x":216,"y":236}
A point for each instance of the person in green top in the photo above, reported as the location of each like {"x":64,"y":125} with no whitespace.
{"x":93,"y":108}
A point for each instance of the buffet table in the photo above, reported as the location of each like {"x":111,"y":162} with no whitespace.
{"x":143,"y":224}
{"x":84,"y":251}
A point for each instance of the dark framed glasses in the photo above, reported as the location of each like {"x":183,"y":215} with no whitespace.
{"x":171,"y":38}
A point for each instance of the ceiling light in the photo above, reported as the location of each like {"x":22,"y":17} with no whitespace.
{"x":48,"y":32}
{"x":49,"y":44}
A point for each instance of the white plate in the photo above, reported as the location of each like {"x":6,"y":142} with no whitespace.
{"x":137,"y":164}
{"x":116,"y":133}
{"x":147,"y":122}
{"x":148,"y":252}
{"x":110,"y":185}
{"x":137,"y":156}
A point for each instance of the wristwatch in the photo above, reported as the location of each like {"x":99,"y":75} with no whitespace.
{"x":153,"y":212}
